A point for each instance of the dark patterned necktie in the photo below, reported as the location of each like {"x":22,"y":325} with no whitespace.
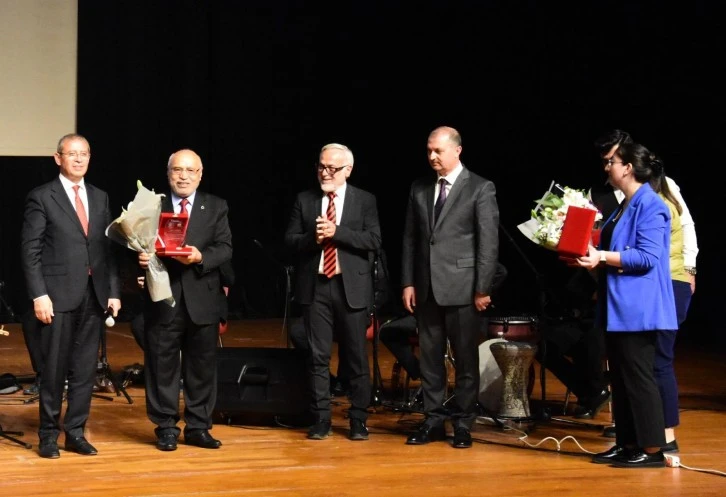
{"x":81,"y":210}
{"x":329,"y":254}
{"x":440,"y":201}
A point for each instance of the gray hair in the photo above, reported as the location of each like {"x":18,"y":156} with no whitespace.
{"x":338,"y":146}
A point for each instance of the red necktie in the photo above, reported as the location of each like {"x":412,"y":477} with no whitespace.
{"x":329,"y":255}
{"x":80,"y":210}
{"x":184,"y":202}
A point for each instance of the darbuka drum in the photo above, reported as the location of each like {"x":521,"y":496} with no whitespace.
{"x":514,"y":329}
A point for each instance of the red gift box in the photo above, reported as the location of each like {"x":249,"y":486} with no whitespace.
{"x":576,"y":232}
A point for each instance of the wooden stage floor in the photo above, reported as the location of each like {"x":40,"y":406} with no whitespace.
{"x":551,"y":459}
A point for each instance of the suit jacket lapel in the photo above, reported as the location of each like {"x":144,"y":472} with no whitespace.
{"x":430,"y":193}
{"x":349,"y":201}
{"x":61,"y":198}
{"x":454,"y":193}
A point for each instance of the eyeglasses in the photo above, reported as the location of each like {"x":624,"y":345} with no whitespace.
{"x":74,"y":155}
{"x":329,"y":169}
{"x":610,"y":162}
{"x":176,"y":171}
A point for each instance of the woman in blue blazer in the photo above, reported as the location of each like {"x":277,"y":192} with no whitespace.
{"x":635,"y":300}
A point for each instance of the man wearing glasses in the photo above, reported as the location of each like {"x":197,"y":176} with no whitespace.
{"x":72,"y":279}
{"x":191,"y":326}
{"x":334,"y":235}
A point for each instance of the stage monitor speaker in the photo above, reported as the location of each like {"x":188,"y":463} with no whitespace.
{"x":257,"y":385}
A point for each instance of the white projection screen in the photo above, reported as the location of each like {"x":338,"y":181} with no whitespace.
{"x":38,"y":60}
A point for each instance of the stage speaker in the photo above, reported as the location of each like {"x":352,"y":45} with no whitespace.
{"x":265,"y":386}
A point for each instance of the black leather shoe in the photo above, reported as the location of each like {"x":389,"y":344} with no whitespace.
{"x":33,"y":389}
{"x":48,"y":448}
{"x":80,"y":445}
{"x":201,"y":438}
{"x":593,"y":406}
{"x":609,"y":432}
{"x":610,"y":454}
{"x":358,"y":430}
{"x":670,"y":447}
{"x":640,"y":459}
{"x":462,"y":438}
{"x":426,"y":434}
{"x":166,"y":442}
{"x":320,"y":430}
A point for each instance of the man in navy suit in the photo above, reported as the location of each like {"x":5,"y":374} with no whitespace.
{"x":336,"y":293}
{"x":72,"y":279}
{"x":450,"y":252}
{"x":191,"y":326}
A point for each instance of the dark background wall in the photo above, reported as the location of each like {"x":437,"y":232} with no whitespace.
{"x":257,"y":87}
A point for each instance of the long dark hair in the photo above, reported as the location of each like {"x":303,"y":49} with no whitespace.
{"x":647,"y":168}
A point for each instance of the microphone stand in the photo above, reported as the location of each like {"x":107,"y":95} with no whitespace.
{"x":288,"y":270}
{"x":376,"y":390}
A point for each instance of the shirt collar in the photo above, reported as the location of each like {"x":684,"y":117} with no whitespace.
{"x":451,"y":177}
{"x":175,"y":199}
{"x":68,"y":184}
{"x":340,"y":192}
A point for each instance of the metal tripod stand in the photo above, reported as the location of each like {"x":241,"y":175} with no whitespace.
{"x":104,"y":373}
{"x":8,"y":435}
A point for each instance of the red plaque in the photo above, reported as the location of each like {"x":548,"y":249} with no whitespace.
{"x":576,"y":232}
{"x":172,"y":231}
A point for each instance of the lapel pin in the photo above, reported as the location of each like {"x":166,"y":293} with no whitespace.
{"x":202,"y":207}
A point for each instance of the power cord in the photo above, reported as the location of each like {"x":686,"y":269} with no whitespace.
{"x":675,"y":462}
{"x":672,"y":461}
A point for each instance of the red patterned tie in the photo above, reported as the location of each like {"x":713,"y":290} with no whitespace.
{"x":184,"y":202}
{"x":80,"y":210}
{"x":329,"y":255}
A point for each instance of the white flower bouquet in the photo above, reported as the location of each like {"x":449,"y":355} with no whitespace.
{"x":562,"y":220}
{"x":136,"y":228}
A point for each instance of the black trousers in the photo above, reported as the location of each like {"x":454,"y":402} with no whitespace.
{"x":461,"y":325}
{"x":637,"y":408}
{"x":329,"y":313}
{"x":178,"y":350}
{"x":69,"y":351}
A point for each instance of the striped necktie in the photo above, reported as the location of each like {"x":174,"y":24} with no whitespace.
{"x":329,"y":253}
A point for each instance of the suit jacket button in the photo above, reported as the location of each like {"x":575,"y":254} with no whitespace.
{"x":431,"y":242}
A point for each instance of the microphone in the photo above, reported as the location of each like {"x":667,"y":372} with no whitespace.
{"x":110,"y":321}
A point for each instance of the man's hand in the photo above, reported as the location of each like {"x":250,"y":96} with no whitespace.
{"x":43,"y":308}
{"x":324,"y":230}
{"x":482,"y":301}
{"x":195,"y":257}
{"x":409,"y":298}
{"x":114,"y":305}
{"x":144,"y":259}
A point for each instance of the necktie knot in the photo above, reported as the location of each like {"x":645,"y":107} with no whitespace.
{"x":183,"y":204}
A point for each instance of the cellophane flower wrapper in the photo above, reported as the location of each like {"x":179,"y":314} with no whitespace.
{"x":136,"y":229}
{"x":548,"y":217}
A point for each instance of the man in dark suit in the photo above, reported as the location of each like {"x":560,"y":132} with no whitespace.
{"x":191,"y":326}
{"x":335,"y":234}
{"x":72,"y":278}
{"x":450,"y":251}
